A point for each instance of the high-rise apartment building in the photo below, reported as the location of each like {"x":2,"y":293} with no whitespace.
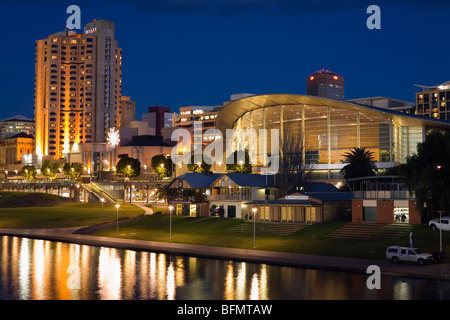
{"x":324,"y":83}
{"x":434,"y":101}
{"x":77,"y":88}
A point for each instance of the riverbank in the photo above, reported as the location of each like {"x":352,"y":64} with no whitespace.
{"x":70,"y":235}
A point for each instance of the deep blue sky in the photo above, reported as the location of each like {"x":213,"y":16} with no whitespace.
{"x":179,"y":52}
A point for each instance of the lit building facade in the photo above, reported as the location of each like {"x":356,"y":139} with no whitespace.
{"x":12,"y":149}
{"x":324,"y":83}
{"x":204,"y":114}
{"x":15,"y":125}
{"x":327,"y":129}
{"x":77,"y":88}
{"x":434,"y":101}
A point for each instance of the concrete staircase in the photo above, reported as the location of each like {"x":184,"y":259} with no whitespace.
{"x":281,"y":229}
{"x":370,"y":231}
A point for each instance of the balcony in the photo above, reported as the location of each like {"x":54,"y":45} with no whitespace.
{"x":229,"y":197}
{"x":390,"y":194}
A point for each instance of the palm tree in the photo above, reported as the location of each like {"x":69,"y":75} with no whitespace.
{"x":361,"y":163}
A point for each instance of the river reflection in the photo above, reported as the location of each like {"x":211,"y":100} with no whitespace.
{"x":39,"y":269}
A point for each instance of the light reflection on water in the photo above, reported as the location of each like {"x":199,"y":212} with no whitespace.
{"x":39,"y":269}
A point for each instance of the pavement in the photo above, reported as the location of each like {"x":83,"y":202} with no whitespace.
{"x":80,"y":236}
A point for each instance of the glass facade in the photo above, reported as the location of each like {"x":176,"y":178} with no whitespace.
{"x":328,"y":132}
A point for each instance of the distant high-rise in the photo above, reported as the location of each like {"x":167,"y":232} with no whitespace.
{"x":157,"y":118}
{"x":324,"y":83}
{"x":434,"y":101}
{"x":77,"y":88}
{"x":128,"y":109}
{"x":14,"y":125}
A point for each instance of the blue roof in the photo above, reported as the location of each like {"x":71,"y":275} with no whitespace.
{"x":320,"y":187}
{"x":202,"y":180}
{"x":331,"y":196}
{"x":283,"y":201}
{"x":252,"y":179}
{"x":199,"y":180}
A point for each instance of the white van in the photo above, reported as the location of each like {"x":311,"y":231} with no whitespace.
{"x":398,"y":253}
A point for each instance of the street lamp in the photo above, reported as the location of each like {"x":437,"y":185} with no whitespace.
{"x":102,"y":200}
{"x":117,"y":207}
{"x":440,"y":231}
{"x":170,"y":229}
{"x":254,"y":227}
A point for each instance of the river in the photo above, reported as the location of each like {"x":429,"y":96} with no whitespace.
{"x":32,"y":269}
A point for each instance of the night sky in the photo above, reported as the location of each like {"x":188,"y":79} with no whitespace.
{"x":179,"y":53}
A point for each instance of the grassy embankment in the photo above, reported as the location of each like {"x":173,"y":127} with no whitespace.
{"x":235,"y":233}
{"x":39,"y":210}
{"x":22,"y":210}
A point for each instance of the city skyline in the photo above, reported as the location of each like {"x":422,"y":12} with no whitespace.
{"x":199,"y":54}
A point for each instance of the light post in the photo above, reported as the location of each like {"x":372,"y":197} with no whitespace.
{"x":170,"y":228}
{"x":131,"y":193}
{"x":117,"y":207}
{"x":102,"y":200}
{"x":254,"y":227}
{"x":162,"y":170}
{"x":440,"y":231}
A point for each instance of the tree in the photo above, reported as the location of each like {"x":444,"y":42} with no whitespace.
{"x":200,"y":166}
{"x":360,"y":163}
{"x":239,"y":166}
{"x":162,"y":165}
{"x":74,"y":170}
{"x":131,"y":167}
{"x":49,"y":169}
{"x":29,"y":173}
{"x":427,"y":174}
{"x":291,"y":175}
{"x":161,"y":192}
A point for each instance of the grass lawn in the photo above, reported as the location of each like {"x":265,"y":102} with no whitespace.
{"x":45,"y":211}
{"x":312,"y":239}
{"x":64,"y":215}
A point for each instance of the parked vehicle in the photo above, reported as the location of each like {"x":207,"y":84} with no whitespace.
{"x":398,"y":253}
{"x":440,"y":224}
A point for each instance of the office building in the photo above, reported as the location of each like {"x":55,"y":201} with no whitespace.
{"x":128,"y":111}
{"x":324,"y":83}
{"x":158,"y":118}
{"x":15,"y":125}
{"x":77,"y":88}
{"x":434,"y":101}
